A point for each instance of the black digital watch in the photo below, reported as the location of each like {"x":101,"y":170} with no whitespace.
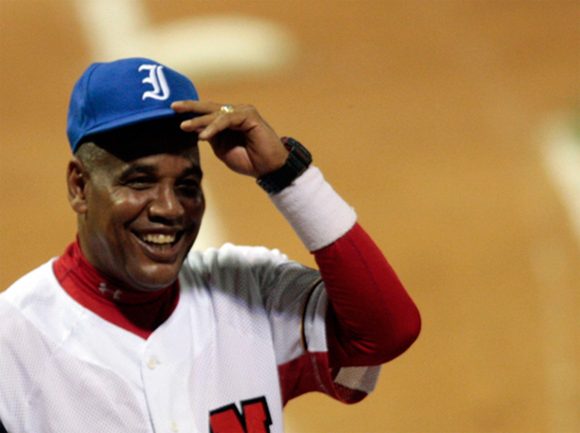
{"x":299,"y":159}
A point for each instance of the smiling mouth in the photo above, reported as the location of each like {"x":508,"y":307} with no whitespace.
{"x":160,"y":239}
{"x":157,"y":243}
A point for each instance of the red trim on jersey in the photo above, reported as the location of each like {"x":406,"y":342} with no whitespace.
{"x":371,"y":317}
{"x":136,"y":311}
{"x":311,"y":372}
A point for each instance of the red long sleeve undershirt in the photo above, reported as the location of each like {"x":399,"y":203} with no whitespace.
{"x":371,"y":318}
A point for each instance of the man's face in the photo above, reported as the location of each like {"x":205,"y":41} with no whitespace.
{"x":143,"y":209}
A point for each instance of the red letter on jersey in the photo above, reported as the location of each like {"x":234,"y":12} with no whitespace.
{"x":255,"y":419}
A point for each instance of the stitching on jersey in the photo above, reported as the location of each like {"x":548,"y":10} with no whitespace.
{"x":304,"y":309}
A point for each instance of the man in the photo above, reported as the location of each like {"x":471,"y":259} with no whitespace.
{"x":130,"y":331}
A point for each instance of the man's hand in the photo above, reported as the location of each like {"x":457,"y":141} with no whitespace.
{"x":238,"y":136}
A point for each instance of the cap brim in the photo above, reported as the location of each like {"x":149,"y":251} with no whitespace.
{"x":134,"y":119}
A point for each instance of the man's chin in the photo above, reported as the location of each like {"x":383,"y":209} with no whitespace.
{"x":155,"y":277}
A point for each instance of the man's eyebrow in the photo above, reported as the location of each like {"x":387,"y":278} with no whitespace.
{"x":194,"y":170}
{"x":132,"y":170}
{"x":150,"y":170}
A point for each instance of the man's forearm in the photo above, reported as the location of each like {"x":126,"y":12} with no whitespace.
{"x":371,"y":318}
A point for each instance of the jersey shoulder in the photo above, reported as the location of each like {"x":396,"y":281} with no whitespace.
{"x":230,"y":256}
{"x":37,"y":301}
{"x":33,"y":286}
{"x":235,"y":262}
{"x":246,"y":271}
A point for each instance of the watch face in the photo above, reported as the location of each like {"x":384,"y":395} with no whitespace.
{"x":298,"y":161}
{"x":296,"y":148}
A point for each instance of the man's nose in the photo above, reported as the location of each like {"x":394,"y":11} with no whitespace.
{"x":166,"y":205}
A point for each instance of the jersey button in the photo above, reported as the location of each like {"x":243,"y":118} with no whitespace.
{"x":174,"y":427}
{"x":152,"y":363}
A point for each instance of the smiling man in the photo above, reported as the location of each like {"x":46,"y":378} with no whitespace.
{"x":130,"y":330}
{"x":137,"y":193}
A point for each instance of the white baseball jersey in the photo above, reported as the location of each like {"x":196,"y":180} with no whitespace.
{"x":249,"y":328}
{"x":216,"y":360}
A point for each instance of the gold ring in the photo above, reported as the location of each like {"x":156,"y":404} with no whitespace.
{"x":228,"y":109}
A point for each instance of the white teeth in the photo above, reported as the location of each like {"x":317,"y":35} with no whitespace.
{"x":159,"y":239}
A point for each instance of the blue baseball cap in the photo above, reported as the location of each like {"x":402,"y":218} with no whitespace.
{"x":122,"y":93}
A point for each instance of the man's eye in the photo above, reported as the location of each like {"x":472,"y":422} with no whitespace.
{"x":190,"y":188}
{"x":139,"y":182}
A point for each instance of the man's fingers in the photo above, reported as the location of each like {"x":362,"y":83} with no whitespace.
{"x":211,"y":124}
{"x":212,"y":117}
{"x":208,"y":125}
{"x":223,"y":121}
{"x":190,"y":106}
{"x":197,"y":124}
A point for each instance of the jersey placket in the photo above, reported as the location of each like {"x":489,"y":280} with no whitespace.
{"x":165,"y":368}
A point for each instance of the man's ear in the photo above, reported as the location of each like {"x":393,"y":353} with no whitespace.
{"x":76,"y":180}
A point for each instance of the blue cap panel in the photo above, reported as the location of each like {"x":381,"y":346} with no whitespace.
{"x":121,"y":93}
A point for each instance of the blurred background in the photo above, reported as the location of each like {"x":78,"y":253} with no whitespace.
{"x":448,"y":125}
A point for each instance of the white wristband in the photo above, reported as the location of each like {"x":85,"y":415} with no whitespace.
{"x":315,"y":211}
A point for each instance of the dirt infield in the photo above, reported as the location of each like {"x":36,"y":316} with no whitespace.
{"x":427,"y":117}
